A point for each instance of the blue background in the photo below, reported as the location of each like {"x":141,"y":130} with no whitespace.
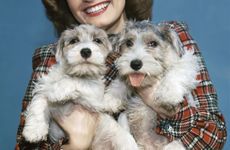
{"x":24,"y":27}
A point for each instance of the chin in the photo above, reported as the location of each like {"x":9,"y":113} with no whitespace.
{"x":106,"y":21}
{"x":100,"y":22}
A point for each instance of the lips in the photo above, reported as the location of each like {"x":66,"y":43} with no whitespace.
{"x":97,"y":9}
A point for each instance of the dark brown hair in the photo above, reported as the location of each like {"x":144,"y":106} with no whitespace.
{"x":59,"y":14}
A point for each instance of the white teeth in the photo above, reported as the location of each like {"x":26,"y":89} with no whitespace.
{"x":96,"y":8}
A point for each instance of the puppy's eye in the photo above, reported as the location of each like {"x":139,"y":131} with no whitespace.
{"x":153,"y":44}
{"x":98,"y":41}
{"x":129,"y":43}
{"x":73,"y":41}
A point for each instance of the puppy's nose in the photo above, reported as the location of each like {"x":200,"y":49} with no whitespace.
{"x":136,"y":64}
{"x":85,"y":53}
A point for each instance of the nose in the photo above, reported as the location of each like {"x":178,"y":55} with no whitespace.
{"x":86,"y":53}
{"x":136,"y":64}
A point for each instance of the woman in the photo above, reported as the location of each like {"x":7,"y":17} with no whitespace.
{"x":199,"y":127}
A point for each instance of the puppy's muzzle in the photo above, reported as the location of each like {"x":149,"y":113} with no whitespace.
{"x":136,"y":64}
{"x":86,"y":53}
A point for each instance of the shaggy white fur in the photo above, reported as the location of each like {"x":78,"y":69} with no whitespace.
{"x":150,"y":58}
{"x":77,"y":79}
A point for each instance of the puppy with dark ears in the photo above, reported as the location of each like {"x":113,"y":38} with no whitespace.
{"x":150,"y":60}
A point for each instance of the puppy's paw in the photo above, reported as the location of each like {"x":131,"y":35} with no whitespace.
{"x":35,"y":134}
{"x":112,"y":104}
{"x":123,"y":121}
{"x":125,"y":141}
{"x":174,"y":145}
{"x":170,"y":94}
{"x":63,"y":98}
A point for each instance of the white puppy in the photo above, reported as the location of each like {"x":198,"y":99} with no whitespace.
{"x":150,"y":58}
{"x":77,"y":79}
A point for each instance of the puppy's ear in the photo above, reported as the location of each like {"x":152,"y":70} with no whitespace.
{"x":129,"y":23}
{"x":108,"y":44}
{"x":114,"y":40}
{"x":172,"y":37}
{"x":59,"y":50}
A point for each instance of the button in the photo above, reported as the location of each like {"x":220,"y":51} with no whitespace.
{"x":168,"y":128}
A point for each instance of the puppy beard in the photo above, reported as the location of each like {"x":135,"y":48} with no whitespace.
{"x":86,"y":70}
{"x":147,"y":75}
{"x":76,"y":65}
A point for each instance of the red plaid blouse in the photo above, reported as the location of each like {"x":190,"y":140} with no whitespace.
{"x":199,"y":127}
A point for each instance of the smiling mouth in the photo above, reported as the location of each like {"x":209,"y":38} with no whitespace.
{"x":97,"y":9}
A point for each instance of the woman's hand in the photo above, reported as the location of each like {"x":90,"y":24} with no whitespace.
{"x":80,"y":125}
{"x":164,"y":110}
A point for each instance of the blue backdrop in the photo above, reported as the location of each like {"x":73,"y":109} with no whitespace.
{"x":24,"y":27}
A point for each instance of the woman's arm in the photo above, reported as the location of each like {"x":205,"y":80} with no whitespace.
{"x":198,"y":125}
{"x":43,"y":58}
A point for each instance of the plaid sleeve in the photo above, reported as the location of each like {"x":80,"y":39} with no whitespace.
{"x":43,"y":58}
{"x":202,"y":126}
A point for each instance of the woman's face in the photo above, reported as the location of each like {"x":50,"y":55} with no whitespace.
{"x":101,"y":13}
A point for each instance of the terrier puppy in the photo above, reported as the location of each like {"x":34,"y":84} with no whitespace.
{"x":77,"y":80}
{"x":150,"y":58}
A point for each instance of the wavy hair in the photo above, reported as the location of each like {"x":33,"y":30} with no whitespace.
{"x":59,"y":14}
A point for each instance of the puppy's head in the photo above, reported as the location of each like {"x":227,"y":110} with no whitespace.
{"x":82,"y":50}
{"x":147,"y":51}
